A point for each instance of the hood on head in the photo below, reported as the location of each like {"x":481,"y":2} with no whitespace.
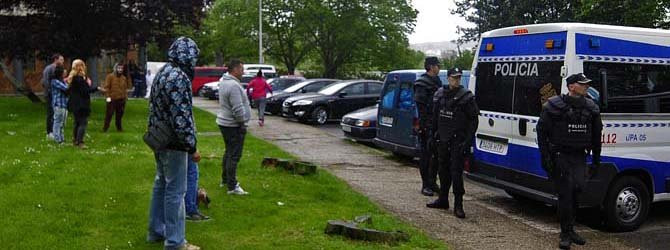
{"x":184,"y":52}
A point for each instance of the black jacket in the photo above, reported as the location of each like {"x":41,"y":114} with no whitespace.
{"x":552,"y":111}
{"x":80,"y":96}
{"x":424,"y":89}
{"x":455,"y":115}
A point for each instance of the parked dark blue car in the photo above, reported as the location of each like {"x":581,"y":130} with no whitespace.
{"x":397,"y":112}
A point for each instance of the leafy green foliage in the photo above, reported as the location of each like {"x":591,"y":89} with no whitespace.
{"x":493,"y":14}
{"x":60,"y":197}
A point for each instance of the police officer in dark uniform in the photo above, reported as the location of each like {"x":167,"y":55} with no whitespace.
{"x":424,"y":89}
{"x":569,"y":128}
{"x":456,"y":119}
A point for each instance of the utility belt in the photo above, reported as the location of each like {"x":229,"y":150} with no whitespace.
{"x":566,"y":149}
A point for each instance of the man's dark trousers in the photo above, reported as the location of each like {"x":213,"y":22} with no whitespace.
{"x":233,"y":137}
{"x":570,"y":182}
{"x":451,"y":162}
{"x":50,"y":112}
{"x":427,"y":161}
{"x":118,"y":107}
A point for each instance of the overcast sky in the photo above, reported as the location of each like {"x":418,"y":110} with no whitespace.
{"x":435,"y":23}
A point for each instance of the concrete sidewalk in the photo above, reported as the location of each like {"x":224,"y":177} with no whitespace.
{"x":494,"y":221}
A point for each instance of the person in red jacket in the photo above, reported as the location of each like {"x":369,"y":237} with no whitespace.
{"x":259,"y":89}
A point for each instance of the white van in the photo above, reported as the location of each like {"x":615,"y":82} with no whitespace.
{"x":269,"y":71}
{"x":517,"y":69}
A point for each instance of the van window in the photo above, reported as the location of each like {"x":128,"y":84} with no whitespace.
{"x":517,"y":87}
{"x":532,"y":91}
{"x":631,"y":88}
{"x":388,"y":98}
{"x":493,"y":92}
{"x":406,"y":97}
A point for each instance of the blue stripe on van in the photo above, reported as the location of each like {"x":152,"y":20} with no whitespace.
{"x":619,"y":47}
{"x":534,"y":58}
{"x":620,"y":59}
{"x":528,"y":161}
{"x":606,"y":125}
{"x":528,"y":44}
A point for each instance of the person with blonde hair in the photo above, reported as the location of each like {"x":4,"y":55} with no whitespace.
{"x":79,"y":103}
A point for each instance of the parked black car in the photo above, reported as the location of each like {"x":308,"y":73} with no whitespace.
{"x":333,"y":101}
{"x":308,"y":86}
{"x":361,"y":125}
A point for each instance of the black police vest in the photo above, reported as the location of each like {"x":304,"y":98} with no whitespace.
{"x":572,"y":126}
{"x":452,"y":119}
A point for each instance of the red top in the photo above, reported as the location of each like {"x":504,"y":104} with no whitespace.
{"x":259,"y":88}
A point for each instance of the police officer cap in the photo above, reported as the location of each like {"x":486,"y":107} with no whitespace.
{"x":454,"y":72}
{"x":577,"y":78}
{"x":430,"y":61}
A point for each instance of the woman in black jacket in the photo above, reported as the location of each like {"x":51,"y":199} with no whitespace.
{"x":79,"y":103}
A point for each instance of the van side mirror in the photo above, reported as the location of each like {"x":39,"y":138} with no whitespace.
{"x":303,"y":91}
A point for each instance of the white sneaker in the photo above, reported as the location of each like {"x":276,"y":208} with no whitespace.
{"x":238,"y":190}
{"x":50,"y":136}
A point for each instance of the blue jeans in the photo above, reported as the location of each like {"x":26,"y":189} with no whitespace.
{"x":191,"y":198}
{"x":167,"y":215}
{"x":59,"y":118}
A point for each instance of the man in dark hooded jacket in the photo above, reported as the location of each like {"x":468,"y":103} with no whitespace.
{"x":568,"y":129}
{"x":424,"y":89}
{"x":171,"y":104}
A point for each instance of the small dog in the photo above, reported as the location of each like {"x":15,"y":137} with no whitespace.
{"x":203,"y":198}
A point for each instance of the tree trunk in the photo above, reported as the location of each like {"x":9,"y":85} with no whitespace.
{"x":18,"y":86}
{"x":218,"y":59}
{"x":92,"y":69}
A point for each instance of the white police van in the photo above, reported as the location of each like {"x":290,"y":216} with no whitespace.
{"x":517,"y":69}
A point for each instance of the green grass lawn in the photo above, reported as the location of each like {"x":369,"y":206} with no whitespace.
{"x":61,"y":197}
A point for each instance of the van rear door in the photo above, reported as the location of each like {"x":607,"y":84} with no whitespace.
{"x":397,"y":110}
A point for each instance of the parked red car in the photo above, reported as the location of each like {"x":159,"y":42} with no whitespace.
{"x":205,"y":75}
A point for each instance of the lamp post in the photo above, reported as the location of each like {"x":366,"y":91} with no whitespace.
{"x":260,"y":31}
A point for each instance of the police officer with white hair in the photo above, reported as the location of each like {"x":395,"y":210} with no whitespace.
{"x":568,"y":130}
{"x":456,"y":121}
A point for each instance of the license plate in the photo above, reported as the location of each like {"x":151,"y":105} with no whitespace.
{"x":346,"y":128}
{"x":387,"y":120}
{"x":492,"y":146}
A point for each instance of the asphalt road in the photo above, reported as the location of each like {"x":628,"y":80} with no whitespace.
{"x":495,"y":220}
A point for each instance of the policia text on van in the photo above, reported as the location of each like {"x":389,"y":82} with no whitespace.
{"x":518,"y":69}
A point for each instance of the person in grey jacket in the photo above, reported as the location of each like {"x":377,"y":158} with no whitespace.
{"x":47,"y":75}
{"x":232,"y":119}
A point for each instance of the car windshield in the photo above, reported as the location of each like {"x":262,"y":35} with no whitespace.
{"x":333,"y":88}
{"x":297,"y":86}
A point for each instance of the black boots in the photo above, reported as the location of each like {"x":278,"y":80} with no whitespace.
{"x":439,"y":203}
{"x":564,"y":242}
{"x":566,"y":239}
{"x":427,"y":191}
{"x":575,"y":238}
{"x":458,"y":207}
{"x":443,"y":203}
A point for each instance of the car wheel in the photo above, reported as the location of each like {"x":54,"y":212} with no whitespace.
{"x":320,"y":115}
{"x":201,"y":92}
{"x":627,"y":204}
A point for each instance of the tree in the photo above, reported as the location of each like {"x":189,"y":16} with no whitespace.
{"x":228,"y":31}
{"x":639,"y":13}
{"x":462,"y":61}
{"x":285,"y":27}
{"x":353,"y":31}
{"x":493,"y":14}
{"x":81,"y":29}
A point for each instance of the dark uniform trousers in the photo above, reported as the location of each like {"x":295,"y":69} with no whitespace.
{"x":570,"y":181}
{"x":428,"y":160}
{"x":451,"y":162}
